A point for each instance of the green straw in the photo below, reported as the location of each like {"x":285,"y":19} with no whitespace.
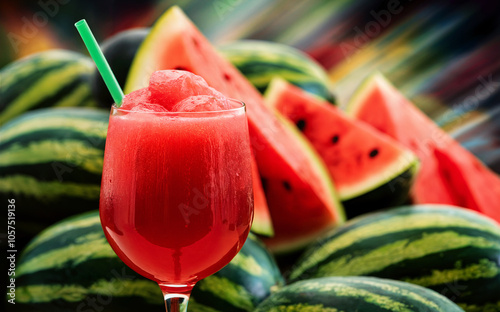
{"x":99,"y":60}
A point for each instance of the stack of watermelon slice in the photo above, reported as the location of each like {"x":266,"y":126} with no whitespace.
{"x":372,"y":156}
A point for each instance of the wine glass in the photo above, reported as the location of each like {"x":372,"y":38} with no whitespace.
{"x":176,"y":196}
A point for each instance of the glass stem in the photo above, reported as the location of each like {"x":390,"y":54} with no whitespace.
{"x":176,"y":298}
{"x":176,"y":303}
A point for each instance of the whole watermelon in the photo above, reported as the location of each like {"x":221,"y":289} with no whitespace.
{"x":451,"y":250}
{"x":260,"y":61}
{"x":53,"y":78}
{"x":51,"y":164}
{"x":356,"y":294}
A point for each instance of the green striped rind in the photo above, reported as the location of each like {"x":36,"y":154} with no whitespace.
{"x":361,"y":294}
{"x":51,"y":162}
{"x":261,"y":61}
{"x":392,"y":193}
{"x":451,"y":250}
{"x":53,"y":78}
{"x":70,"y":265}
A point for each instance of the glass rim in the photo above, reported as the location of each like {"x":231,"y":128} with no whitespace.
{"x":241,"y":106}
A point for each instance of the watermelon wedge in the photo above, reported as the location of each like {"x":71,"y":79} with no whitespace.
{"x":449,"y":173}
{"x":370,"y":170}
{"x":284,"y":166}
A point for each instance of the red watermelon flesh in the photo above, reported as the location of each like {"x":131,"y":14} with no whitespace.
{"x":387,"y":110}
{"x":295,"y":177}
{"x":430,"y":173}
{"x":449,"y":173}
{"x":359,"y":158}
{"x":458,"y":166}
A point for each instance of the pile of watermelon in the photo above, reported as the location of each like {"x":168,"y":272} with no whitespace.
{"x":423,"y":212}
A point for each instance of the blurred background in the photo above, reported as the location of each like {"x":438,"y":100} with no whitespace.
{"x":443,"y":55}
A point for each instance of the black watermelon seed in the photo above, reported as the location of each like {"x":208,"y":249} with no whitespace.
{"x":287,"y":185}
{"x":181,"y":68}
{"x":301,"y":124}
{"x":374,"y":152}
{"x":335,"y":139}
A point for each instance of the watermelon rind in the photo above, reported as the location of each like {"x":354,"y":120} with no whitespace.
{"x":389,"y":193}
{"x":70,"y":265}
{"x":261,"y":61}
{"x":54,"y":78}
{"x":451,"y":250}
{"x":360,"y":294}
{"x":396,"y":180}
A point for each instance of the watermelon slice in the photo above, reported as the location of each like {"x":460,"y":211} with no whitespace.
{"x":449,"y":173}
{"x":297,"y":180}
{"x":370,"y":170}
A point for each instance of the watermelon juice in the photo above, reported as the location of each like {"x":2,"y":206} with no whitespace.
{"x":176,"y":194}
